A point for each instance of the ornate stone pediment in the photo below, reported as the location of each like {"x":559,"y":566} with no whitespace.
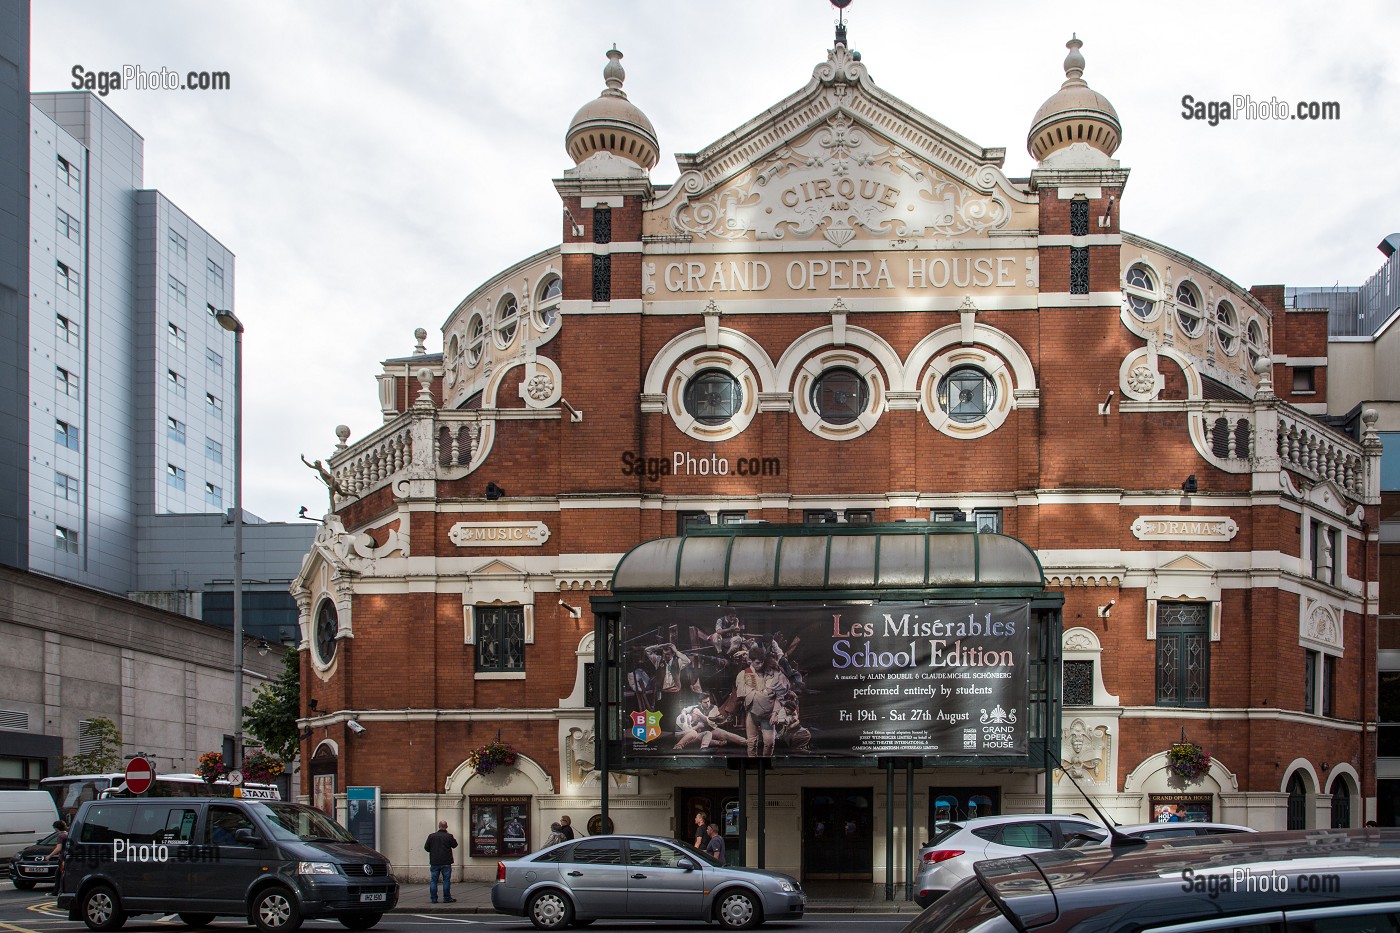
{"x":838,"y":182}
{"x":1320,"y":625}
{"x":841,"y":160}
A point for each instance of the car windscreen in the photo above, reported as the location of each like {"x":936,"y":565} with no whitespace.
{"x":962,"y":910}
{"x":290,"y":822}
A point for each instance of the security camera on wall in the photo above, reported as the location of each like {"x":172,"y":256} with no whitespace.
{"x":355,"y":727}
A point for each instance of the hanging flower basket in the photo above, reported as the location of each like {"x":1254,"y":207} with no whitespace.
{"x":211,"y":767}
{"x":491,"y":756}
{"x":262,"y":768}
{"x":1188,"y":762}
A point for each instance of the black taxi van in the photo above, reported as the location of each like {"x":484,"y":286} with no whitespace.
{"x":273,"y":863}
{"x":1306,"y":881}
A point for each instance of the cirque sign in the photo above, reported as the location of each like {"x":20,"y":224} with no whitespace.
{"x":826,"y":681}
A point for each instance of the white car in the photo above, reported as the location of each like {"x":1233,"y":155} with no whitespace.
{"x":1154,"y":831}
{"x":948,"y":858}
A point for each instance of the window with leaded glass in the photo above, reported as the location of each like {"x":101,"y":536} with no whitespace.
{"x":1079,"y":270}
{"x":967,"y":394}
{"x":602,"y":278}
{"x":839,"y":395}
{"x":1079,"y":218}
{"x":713,"y":396}
{"x":1079,"y":683}
{"x":500,"y":639}
{"x":1183,"y":654}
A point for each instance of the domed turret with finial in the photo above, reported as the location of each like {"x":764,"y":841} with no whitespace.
{"x":1074,"y":114}
{"x":613,"y":124}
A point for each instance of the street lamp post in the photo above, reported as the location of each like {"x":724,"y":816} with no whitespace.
{"x":230,"y":322}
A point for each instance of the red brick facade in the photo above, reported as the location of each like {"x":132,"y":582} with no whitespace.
{"x":1112,"y":414}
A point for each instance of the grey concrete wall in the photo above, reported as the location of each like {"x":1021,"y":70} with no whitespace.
{"x":73,"y":653}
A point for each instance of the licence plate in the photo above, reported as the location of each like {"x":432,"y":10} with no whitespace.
{"x":32,"y":871}
{"x":372,"y":898}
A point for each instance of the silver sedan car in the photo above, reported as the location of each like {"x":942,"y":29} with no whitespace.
{"x":641,"y":877}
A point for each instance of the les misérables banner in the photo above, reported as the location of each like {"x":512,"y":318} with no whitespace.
{"x":825,"y":681}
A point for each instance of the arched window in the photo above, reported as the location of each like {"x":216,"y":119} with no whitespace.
{"x":1341,"y":804}
{"x":1297,"y":802}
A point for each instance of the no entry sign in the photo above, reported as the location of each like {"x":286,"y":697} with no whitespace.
{"x":140,"y":775}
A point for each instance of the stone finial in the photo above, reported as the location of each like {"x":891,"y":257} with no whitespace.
{"x":420,"y":348}
{"x":425,"y":389}
{"x":613,"y":74}
{"x":342,"y":433}
{"x":1369,"y":437}
{"x":1074,"y":61}
{"x":1264,"y":369}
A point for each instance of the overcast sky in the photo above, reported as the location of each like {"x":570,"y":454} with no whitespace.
{"x":374,"y":162}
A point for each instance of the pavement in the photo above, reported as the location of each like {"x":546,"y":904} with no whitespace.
{"x":474,"y":897}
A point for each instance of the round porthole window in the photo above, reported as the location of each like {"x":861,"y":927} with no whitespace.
{"x":476,"y":339}
{"x":507,"y":321}
{"x":1141,"y":290}
{"x":840,"y":395}
{"x":967,"y":394}
{"x":327,"y":624}
{"x":713,"y":396}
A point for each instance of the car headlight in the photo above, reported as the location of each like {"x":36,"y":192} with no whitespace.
{"x":786,"y":886}
{"x":316,"y":868}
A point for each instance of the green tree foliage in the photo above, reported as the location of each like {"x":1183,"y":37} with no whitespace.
{"x":272,"y":717}
{"x":105,"y":758}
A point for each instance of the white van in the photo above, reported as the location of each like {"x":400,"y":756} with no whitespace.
{"x":26,"y":816}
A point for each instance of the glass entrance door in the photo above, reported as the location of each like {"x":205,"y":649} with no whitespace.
{"x":837,"y":833}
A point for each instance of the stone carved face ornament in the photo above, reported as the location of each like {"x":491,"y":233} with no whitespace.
{"x":839,"y":179}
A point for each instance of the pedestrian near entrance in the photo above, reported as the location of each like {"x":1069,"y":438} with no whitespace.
{"x":556,"y":835}
{"x":57,"y":852}
{"x":439,"y":848}
{"x":700,"y":820}
{"x":566,"y":826}
{"x":715,"y":847}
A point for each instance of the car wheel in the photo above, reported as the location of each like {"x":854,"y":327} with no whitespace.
{"x":550,"y":910}
{"x":196,"y":920}
{"x":101,"y":909}
{"x":23,"y":885}
{"x":736,"y":910}
{"x":361,"y":921}
{"x":275,"y":911}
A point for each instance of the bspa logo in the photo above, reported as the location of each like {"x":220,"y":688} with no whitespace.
{"x":646,"y":725}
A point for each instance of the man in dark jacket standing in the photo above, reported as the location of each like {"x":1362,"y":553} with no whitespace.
{"x":439,"y":848}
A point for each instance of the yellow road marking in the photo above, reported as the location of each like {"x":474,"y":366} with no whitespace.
{"x":15,"y":929}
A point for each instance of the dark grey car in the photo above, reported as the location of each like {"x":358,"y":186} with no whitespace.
{"x":32,"y":864}
{"x":642,"y":877}
{"x":1314,"y":881}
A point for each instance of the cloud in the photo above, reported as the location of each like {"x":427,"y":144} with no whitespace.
{"x":373,"y":163}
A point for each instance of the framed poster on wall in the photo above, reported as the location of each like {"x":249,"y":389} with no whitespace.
{"x":323,"y":793}
{"x":1182,"y":808}
{"x":499,"y":826}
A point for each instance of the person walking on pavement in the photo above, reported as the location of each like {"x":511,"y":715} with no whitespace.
{"x":566,"y":826}
{"x":700,"y":820}
{"x":556,"y":834}
{"x":715,"y":847}
{"x":439,"y":848}
{"x":57,"y":852}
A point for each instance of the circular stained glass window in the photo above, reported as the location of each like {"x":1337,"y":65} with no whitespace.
{"x":713,"y":396}
{"x":840,"y":395}
{"x":327,"y":624}
{"x":967,"y":394}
